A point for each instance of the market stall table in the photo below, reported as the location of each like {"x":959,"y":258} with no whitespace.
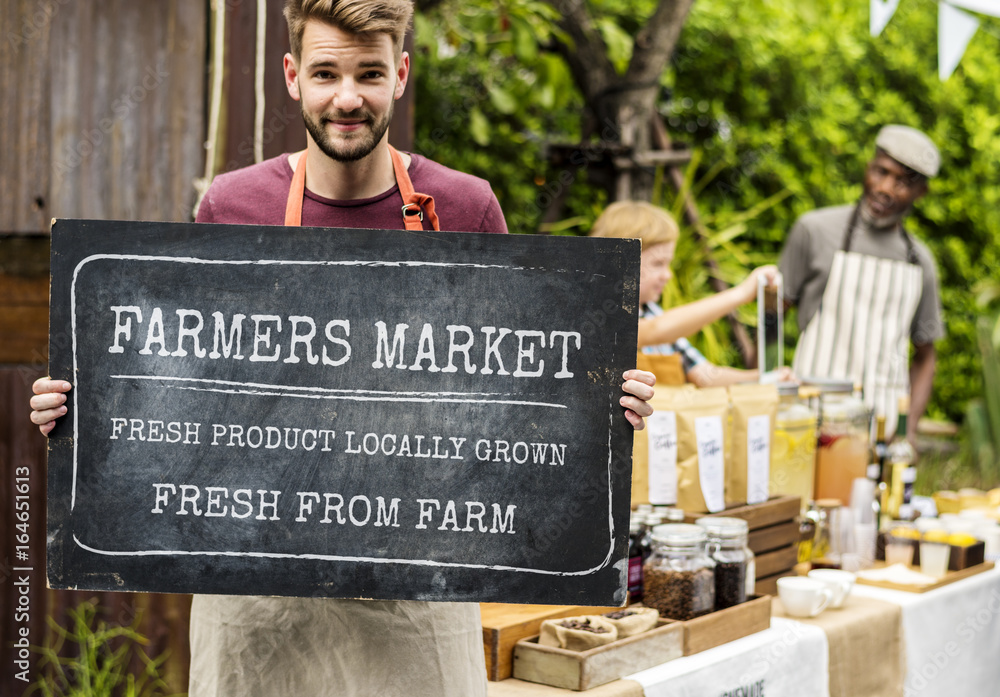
{"x":789,"y":659}
{"x":952,"y":636}
{"x":866,"y":652}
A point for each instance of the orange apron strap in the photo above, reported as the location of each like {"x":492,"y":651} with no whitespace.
{"x":415,"y":205}
{"x":293,"y":208}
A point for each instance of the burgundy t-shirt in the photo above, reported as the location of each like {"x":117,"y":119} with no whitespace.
{"x":257,"y":195}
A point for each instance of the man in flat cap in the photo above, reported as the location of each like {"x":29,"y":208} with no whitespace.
{"x":865,"y":288}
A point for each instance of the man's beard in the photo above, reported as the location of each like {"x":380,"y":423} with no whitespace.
{"x":358,"y":145}
{"x":883,"y":222}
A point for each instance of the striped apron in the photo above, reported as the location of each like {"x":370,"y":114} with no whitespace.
{"x":861,"y":331}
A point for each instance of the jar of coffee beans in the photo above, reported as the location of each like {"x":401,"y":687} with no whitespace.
{"x":735,"y":567}
{"x":679,"y":576}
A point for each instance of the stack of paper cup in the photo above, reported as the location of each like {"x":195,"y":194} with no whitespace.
{"x":865,"y":523}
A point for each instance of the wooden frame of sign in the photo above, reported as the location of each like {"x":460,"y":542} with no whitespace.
{"x":343,"y":413}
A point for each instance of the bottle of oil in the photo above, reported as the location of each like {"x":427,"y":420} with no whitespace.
{"x":901,"y":458}
{"x":877,"y":472}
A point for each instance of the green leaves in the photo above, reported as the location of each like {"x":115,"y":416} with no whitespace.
{"x":479,"y":127}
{"x":804,"y":92}
{"x":98,"y":665}
{"x":782,"y":101}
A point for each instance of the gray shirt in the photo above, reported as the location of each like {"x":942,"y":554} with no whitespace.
{"x":808,"y":255}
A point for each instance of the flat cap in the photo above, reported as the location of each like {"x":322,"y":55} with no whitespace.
{"x":911,"y":148}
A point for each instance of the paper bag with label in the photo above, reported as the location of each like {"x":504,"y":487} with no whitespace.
{"x":654,"y":453}
{"x":701,"y":450}
{"x":754,"y":408}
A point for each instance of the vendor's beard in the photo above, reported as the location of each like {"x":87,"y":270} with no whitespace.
{"x":356,"y":150}
{"x":886,"y":221}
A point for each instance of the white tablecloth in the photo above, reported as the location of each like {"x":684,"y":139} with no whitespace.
{"x":788,"y":660}
{"x":952,"y":637}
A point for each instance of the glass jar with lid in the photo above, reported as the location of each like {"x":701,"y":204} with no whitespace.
{"x":735,"y":565}
{"x":679,"y":576}
{"x":842,"y":447}
{"x":827,"y":544}
{"x":793,"y":452}
{"x":670,"y":514}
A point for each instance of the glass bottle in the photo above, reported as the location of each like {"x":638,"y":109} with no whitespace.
{"x":901,"y":459}
{"x":650,"y":521}
{"x":670,"y":514}
{"x":826,"y":543}
{"x":635,"y":560}
{"x":735,"y":565}
{"x":793,"y":452}
{"x":807,"y":532}
{"x":679,"y":576}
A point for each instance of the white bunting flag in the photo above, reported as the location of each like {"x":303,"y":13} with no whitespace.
{"x":880,"y":14}
{"x":955,"y":30}
{"x":983,"y":7}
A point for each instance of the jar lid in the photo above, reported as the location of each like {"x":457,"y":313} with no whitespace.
{"x":830,"y":385}
{"x":788,"y":389}
{"x":670,"y":514}
{"x":679,"y":535}
{"x":724,"y":527}
{"x":829,"y":503}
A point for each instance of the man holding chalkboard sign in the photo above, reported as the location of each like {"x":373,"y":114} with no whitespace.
{"x":346,"y":68}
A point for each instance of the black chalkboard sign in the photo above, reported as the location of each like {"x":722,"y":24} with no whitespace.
{"x":344,"y":413}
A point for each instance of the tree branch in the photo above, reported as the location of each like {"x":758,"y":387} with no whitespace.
{"x":655,"y":42}
{"x":426,"y":5}
{"x":588,"y":57}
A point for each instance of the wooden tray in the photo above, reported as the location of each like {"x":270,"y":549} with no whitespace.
{"x":582,"y":670}
{"x":722,"y":626}
{"x":504,"y":625}
{"x":948,"y":578}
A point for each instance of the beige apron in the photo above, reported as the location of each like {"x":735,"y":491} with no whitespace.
{"x":861,"y":331}
{"x":247,"y":646}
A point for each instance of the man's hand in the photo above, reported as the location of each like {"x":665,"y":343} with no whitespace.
{"x":638,"y":384}
{"x":49,"y":403}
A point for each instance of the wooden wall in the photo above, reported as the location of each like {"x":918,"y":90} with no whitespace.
{"x":104,"y":109}
{"x":102,"y":113}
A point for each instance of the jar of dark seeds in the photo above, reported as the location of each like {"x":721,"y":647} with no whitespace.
{"x":679,"y":577}
{"x":735,"y":568}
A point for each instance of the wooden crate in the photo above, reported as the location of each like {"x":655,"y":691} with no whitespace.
{"x":582,"y":670}
{"x":774,"y":536}
{"x":722,"y":626}
{"x":504,"y":625}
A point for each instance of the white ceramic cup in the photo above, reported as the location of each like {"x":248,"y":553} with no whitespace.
{"x":839,"y":582}
{"x":803,"y":597}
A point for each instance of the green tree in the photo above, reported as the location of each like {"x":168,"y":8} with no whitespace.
{"x":778,"y":97}
{"x":798,"y":93}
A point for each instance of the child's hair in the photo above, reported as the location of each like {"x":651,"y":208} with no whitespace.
{"x":637,"y":219}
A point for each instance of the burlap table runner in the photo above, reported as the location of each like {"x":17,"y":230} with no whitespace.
{"x":520,"y":688}
{"x":866,"y":646}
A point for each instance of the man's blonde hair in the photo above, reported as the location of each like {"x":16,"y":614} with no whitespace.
{"x":636,"y":219}
{"x":390,"y":17}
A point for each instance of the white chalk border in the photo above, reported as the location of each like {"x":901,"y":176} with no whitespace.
{"x":319,"y":557}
